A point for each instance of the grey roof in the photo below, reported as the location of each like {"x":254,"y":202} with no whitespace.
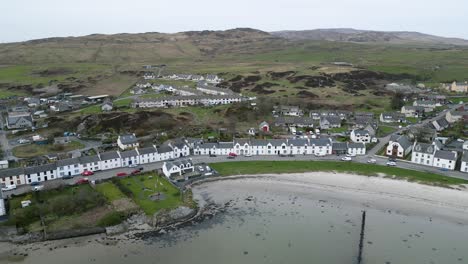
{"x":67,"y":162}
{"x":340,"y":146}
{"x":356,"y":145}
{"x":465,"y":156}
{"x":164,"y":149}
{"x":40,"y":168}
{"x":13,"y":117}
{"x":298,"y":142}
{"x":402,"y":140}
{"x":128,"y":153}
{"x":226,"y":145}
{"x":259,"y":142}
{"x":277,"y":142}
{"x":89,"y":159}
{"x":128,"y":139}
{"x":241,"y":141}
{"x":361,"y":132}
{"x":208,"y":145}
{"x":320,"y":141}
{"x":424,"y":148}
{"x":11,"y":172}
{"x":331,"y":119}
{"x":109,"y":155}
{"x":178,"y":162}
{"x":442,"y":122}
{"x":447,"y":155}
{"x":147,"y":150}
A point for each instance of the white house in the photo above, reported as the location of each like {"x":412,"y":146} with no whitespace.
{"x":360,"y":136}
{"x":428,"y":105}
{"x":412,"y":111}
{"x":109,"y":160}
{"x":392,"y":117}
{"x":41,"y":173}
{"x":13,"y":176}
{"x":148,"y":155}
{"x":68,"y":167}
{"x":298,"y":146}
{"x":90,"y":163}
{"x":165,"y":153}
{"x":464,"y":162}
{"x":398,"y":146}
{"x":3,"y":164}
{"x":320,"y":146}
{"x":177,"y":167}
{"x":357,"y":149}
{"x":129,"y":157}
{"x":445,"y":159}
{"x":423,"y":153}
{"x":179,"y":147}
{"x":127,"y":141}
{"x":211,"y":78}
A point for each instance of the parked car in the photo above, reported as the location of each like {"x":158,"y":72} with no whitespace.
{"x":133,"y":165}
{"x":121,"y":174}
{"x":232,"y":154}
{"x":82,"y":181}
{"x":141,"y":169}
{"x":87,"y":173}
{"x":37,"y":188}
{"x":35,"y":183}
{"x":67,"y":177}
{"x":391,"y":163}
{"x":9,"y":187}
{"x":351,"y":155}
{"x":248,"y":155}
{"x":200,"y":168}
{"x":212,"y":155}
{"x":135,"y":172}
{"x":372,"y":161}
{"x":346,"y":159}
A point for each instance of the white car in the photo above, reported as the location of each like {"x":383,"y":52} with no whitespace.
{"x":132,"y":165}
{"x":346,"y":159}
{"x":391,"y":163}
{"x":9,"y":187}
{"x":200,"y":168}
{"x":372,"y":161}
{"x":248,"y":155}
{"x":350,"y":155}
{"x":37,"y":188}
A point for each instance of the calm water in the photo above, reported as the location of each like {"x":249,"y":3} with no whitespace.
{"x":268,"y":223}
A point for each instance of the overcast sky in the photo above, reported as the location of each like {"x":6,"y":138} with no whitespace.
{"x":32,"y":19}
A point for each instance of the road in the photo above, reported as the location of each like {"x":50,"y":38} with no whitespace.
{"x":101,"y":175}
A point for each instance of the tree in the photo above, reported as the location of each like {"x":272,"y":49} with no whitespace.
{"x":397,"y":101}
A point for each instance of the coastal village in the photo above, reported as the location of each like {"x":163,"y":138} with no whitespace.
{"x":428,"y":134}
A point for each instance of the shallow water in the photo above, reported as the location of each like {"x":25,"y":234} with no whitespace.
{"x":269,"y":221}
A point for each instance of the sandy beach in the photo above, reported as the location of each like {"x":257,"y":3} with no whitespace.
{"x":330,"y":200}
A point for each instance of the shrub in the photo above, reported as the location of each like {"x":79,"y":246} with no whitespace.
{"x":111,"y":219}
{"x":122,"y":187}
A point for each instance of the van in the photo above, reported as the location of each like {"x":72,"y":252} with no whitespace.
{"x":9,"y":187}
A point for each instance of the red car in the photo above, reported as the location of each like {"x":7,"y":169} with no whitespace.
{"x":87,"y":173}
{"x":82,"y":181}
{"x":135,"y":172}
{"x":232,"y":154}
{"x":121,"y":174}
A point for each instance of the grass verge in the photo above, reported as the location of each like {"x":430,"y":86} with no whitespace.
{"x":260,"y":167}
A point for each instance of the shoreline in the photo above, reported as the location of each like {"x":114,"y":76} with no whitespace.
{"x":349,"y":187}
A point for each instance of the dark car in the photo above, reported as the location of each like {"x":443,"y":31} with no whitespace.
{"x":135,"y":172}
{"x":35,"y":183}
{"x":141,"y":169}
{"x":212,"y":155}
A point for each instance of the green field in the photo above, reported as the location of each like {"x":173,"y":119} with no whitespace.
{"x":33,"y":150}
{"x":261,"y":167}
{"x":385,"y":130}
{"x":110,"y":191}
{"x":143,"y":186}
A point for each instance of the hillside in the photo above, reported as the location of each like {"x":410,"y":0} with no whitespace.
{"x":368,"y":36}
{"x":143,"y":47}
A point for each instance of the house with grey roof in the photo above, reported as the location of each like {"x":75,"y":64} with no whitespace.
{"x":412,"y":111}
{"x":339,"y":148}
{"x":360,"y":136}
{"x":357,"y":149}
{"x":129,"y":157}
{"x":212,"y":78}
{"x":12,"y":176}
{"x":398,"y":146}
{"x":208,"y":148}
{"x":127,"y":141}
{"x":165,"y":152}
{"x":329,"y":122}
{"x":41,"y":173}
{"x":464,"y":162}
{"x":423,"y":153}
{"x":392,"y":117}
{"x":148,"y":155}
{"x":441,"y":124}
{"x":68,"y":167}
{"x":298,"y":146}
{"x":90,"y":163}
{"x":177,"y":167}
{"x":19,"y":120}
{"x":109,"y":160}
{"x":320,"y":146}
{"x":180,"y":147}
{"x":445,"y":159}
{"x":428,"y":105}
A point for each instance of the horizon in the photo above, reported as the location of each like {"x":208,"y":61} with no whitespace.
{"x":53,"y":18}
